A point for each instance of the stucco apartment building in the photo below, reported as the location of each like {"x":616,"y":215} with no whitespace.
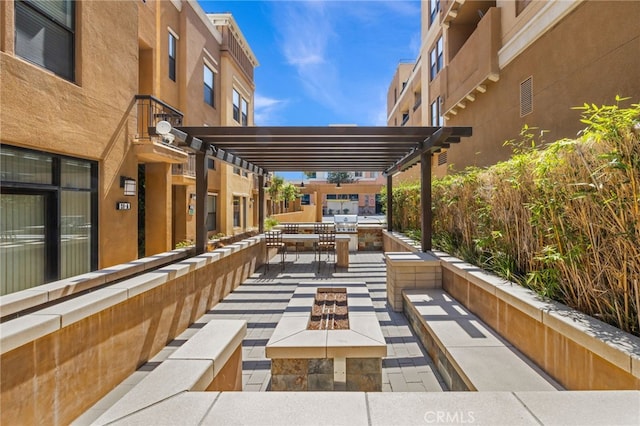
{"x":500,"y":65}
{"x":360,"y":197}
{"x":86,"y":183}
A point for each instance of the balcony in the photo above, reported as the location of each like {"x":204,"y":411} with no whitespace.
{"x":184,"y":173}
{"x":474,"y":65}
{"x":149,"y":147}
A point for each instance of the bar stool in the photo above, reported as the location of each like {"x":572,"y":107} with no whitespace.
{"x":327,"y":242}
{"x":273,"y":239}
{"x":293,"y":228}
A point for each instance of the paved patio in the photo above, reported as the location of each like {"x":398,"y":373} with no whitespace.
{"x":262,"y":299}
{"x":407,"y":372}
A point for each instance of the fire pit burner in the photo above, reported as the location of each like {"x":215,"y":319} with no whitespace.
{"x":329,"y":310}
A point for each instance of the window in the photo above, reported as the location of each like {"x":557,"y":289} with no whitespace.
{"x":208,"y":86}
{"x":212,"y":206}
{"x":357,"y":174}
{"x":236,"y":211}
{"x":49,"y":216}
{"x":245,"y":112}
{"x":211,"y":164}
{"x":434,"y":8}
{"x":405,"y":118}
{"x":45,"y":35}
{"x":236,"y":170}
{"x":436,"y":59}
{"x":436,"y":113}
{"x":172,"y":56}
{"x":236,"y":105}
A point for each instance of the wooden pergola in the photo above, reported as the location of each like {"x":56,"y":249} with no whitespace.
{"x":264,"y":150}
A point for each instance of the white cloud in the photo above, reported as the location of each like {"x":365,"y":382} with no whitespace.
{"x":306,"y":33}
{"x":314,"y":38}
{"x":265,"y":110}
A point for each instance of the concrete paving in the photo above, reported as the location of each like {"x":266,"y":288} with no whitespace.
{"x":411,"y":387}
{"x":263,"y":297}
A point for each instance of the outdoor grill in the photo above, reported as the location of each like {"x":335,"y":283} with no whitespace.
{"x":348,"y":224}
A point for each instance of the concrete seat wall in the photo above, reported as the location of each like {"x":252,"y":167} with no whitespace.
{"x":59,"y":361}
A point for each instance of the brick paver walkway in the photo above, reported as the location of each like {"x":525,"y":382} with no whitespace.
{"x":261,"y":300}
{"x":263,"y":297}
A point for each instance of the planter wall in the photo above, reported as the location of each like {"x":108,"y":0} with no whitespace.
{"x":580,"y":352}
{"x":57,"y":362}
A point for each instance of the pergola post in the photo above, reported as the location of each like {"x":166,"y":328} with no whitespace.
{"x":389,"y":203}
{"x":425,"y":200}
{"x":260,"y":203}
{"x":201,"y":201}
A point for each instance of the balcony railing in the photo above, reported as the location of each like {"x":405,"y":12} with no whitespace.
{"x":186,"y":169}
{"x":151,"y":110}
{"x":150,"y":147}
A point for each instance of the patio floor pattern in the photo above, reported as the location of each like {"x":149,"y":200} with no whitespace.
{"x":261,"y":300}
{"x":263,"y":297}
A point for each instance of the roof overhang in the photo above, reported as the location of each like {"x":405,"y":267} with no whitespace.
{"x":333,"y":148}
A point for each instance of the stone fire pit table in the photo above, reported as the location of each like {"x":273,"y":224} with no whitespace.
{"x":324,"y":360}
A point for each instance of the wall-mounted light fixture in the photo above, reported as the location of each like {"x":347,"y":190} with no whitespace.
{"x":128,"y":184}
{"x":301,"y":184}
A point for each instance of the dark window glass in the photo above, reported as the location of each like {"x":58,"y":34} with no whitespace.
{"x":45,"y":35}
{"x":208,"y":85}
{"x":172,"y":56}
{"x":236,"y":106}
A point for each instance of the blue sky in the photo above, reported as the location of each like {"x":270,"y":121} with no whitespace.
{"x":325,"y":62}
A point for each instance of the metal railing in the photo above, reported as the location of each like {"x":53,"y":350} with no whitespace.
{"x":151,"y":110}
{"x":188,"y":169}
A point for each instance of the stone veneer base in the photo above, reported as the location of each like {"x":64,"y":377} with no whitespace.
{"x":307,"y":360}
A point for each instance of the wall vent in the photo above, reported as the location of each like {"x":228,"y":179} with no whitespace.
{"x":442,"y":158}
{"x":526,"y":97}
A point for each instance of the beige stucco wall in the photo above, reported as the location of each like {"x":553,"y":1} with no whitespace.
{"x":588,"y":57}
{"x":90,"y":118}
{"x":95,"y":116}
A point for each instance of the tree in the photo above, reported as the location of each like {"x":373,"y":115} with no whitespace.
{"x":289,"y":192}
{"x":340,"y":177}
{"x":275,"y":189}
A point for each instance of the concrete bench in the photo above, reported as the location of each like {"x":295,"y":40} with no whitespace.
{"x":211,"y":360}
{"x":468,"y":354}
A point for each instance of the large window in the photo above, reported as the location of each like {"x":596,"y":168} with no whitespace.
{"x":173,"y":47}
{"x":236,"y":105}
{"x":436,"y":59}
{"x":45,"y":34}
{"x":208,"y":85}
{"x":48,"y":218}
{"x":212,"y":206}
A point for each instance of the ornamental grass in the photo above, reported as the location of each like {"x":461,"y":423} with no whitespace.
{"x":563,"y":220}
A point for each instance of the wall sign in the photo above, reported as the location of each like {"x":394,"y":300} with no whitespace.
{"x":123,"y":205}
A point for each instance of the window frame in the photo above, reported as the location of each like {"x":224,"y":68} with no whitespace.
{"x":434,"y":8}
{"x":209,"y":89}
{"x":436,"y":59}
{"x":53,"y":189}
{"x":34,"y":10}
{"x":236,"y":105}
{"x":172,"y":53}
